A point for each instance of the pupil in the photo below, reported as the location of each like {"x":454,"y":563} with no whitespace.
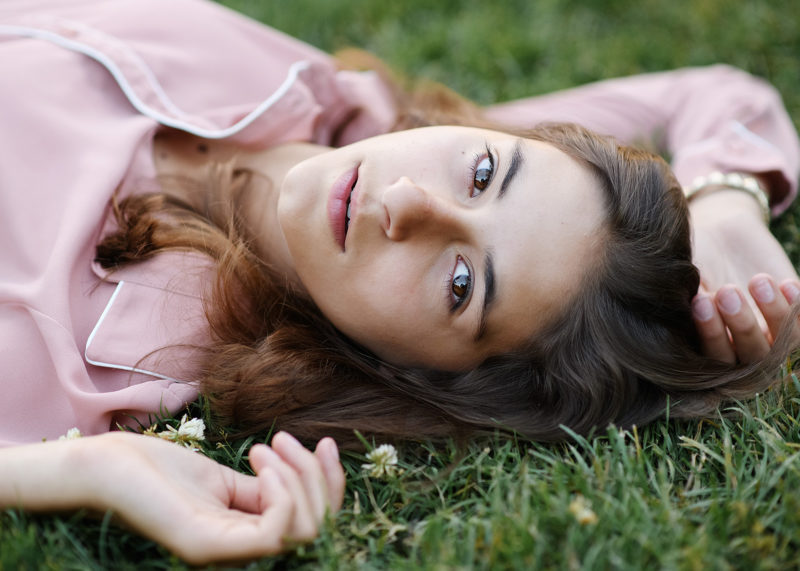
{"x":481,"y":178}
{"x":460,"y":283}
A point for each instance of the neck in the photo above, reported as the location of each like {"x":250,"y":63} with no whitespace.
{"x":182,"y":155}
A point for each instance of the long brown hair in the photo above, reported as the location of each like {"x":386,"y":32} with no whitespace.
{"x":624,"y":348}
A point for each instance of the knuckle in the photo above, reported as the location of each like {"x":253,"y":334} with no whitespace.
{"x":741,"y":324}
{"x":713,"y":334}
{"x":777,"y":315}
{"x":749,"y":330}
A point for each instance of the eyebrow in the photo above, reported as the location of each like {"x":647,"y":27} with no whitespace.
{"x":489,"y":292}
{"x":517,"y":158}
{"x":490,"y":286}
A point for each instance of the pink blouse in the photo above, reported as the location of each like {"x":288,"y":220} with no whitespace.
{"x":87,"y":84}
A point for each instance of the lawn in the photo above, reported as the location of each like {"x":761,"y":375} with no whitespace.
{"x":715,"y":494}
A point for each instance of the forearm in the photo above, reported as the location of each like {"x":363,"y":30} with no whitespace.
{"x":706,"y":119}
{"x":51,"y":476}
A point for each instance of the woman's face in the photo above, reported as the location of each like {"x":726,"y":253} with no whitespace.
{"x":460,"y":243}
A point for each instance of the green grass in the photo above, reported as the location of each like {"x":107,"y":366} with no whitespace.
{"x":716,"y":494}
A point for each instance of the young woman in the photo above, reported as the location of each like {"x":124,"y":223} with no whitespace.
{"x":175,"y":220}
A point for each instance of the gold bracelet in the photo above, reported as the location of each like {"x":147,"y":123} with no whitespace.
{"x":729,"y":180}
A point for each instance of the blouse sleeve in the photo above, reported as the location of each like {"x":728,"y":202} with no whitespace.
{"x":715,"y":118}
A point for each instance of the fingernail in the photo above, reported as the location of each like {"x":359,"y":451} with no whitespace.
{"x":792,"y":291}
{"x":763,"y":290}
{"x":702,"y":308}
{"x":729,"y":301}
{"x":291,"y":439}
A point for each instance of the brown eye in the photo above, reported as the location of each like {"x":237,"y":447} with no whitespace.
{"x":484,"y":171}
{"x":461,"y":284}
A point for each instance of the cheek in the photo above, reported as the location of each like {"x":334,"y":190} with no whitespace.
{"x":293,"y":197}
{"x":373,"y":306}
{"x":297,"y":230}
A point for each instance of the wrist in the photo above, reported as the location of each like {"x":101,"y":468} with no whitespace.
{"x":724,"y":205}
{"x":84,"y":469}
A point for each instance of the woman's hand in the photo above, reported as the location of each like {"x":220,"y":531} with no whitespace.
{"x":747,"y":281}
{"x":198,"y":509}
{"x":730,"y":329}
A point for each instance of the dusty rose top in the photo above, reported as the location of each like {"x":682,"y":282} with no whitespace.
{"x":87,"y":84}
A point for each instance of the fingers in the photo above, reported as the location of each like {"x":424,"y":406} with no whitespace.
{"x":219,"y":535}
{"x":729,"y":327}
{"x":315,"y":480}
{"x":307,"y":467}
{"x":713,"y":333}
{"x":771,"y":302}
{"x":306,"y":520}
{"x":749,"y":339}
{"x":279,"y":508}
{"x":790,"y":289}
{"x":328,"y":454}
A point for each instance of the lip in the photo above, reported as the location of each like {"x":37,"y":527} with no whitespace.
{"x":337,"y":203}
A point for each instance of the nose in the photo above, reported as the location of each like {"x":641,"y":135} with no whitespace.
{"x":411,"y":209}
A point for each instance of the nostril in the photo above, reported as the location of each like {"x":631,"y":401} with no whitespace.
{"x":386,"y":222}
{"x":395,"y":225}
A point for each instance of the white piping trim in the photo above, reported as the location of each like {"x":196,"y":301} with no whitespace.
{"x":140,"y":63}
{"x":140,"y":105}
{"x":112,"y":365}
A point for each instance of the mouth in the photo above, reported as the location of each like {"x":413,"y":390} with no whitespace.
{"x":349,"y":206}
{"x":340,"y":207}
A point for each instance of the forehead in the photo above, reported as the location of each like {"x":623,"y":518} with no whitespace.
{"x":550,"y":229}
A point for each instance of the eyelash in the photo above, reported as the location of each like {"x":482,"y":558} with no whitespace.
{"x":479,"y":158}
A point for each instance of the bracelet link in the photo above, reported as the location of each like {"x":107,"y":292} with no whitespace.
{"x":732,"y":180}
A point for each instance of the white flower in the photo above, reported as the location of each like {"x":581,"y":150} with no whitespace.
{"x":71,"y":434}
{"x":383,"y":461}
{"x":582,"y":510}
{"x":193,"y":429}
{"x":188,"y":433}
